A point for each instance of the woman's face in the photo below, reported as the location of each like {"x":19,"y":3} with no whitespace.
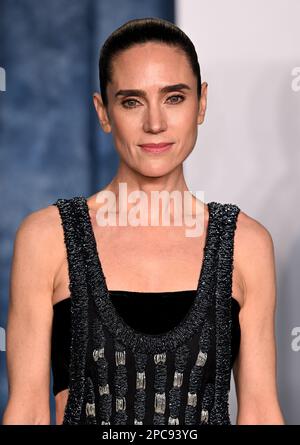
{"x":152,"y":115}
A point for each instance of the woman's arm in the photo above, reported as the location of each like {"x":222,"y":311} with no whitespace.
{"x":255,"y":368}
{"x":30,"y":320}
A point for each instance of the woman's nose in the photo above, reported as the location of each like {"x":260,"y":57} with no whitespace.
{"x":154,"y":119}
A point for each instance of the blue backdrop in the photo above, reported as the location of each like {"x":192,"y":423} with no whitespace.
{"x":51,"y":144}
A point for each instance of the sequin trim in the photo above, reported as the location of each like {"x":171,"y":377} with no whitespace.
{"x":196,"y":375}
{"x":175,"y":393}
{"x":79,"y":308}
{"x":101,"y":365}
{"x":220,"y":410}
{"x":140,"y":391}
{"x":120,"y":384}
{"x":90,"y":410}
{"x":160,"y":380}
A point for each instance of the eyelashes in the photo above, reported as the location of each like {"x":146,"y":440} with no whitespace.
{"x":125,"y":102}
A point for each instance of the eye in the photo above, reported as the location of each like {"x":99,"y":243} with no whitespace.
{"x":176,"y":96}
{"x":126,"y":103}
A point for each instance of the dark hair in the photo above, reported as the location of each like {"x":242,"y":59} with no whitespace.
{"x":139,"y":31}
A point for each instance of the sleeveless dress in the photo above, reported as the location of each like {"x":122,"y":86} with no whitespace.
{"x":119,"y":375}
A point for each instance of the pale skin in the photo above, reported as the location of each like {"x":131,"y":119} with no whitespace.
{"x":39,"y":275}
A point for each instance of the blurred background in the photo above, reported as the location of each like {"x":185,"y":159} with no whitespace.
{"x":247,"y":151}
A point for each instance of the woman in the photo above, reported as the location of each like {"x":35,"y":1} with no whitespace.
{"x":153,"y":341}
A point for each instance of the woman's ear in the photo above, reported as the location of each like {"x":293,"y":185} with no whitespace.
{"x":202,"y":103}
{"x":102,"y":113}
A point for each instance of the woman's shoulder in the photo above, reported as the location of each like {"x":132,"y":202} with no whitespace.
{"x":41,"y":230}
{"x":251,"y":233}
{"x":43,"y":222}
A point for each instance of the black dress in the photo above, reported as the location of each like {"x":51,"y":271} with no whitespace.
{"x":145,"y":358}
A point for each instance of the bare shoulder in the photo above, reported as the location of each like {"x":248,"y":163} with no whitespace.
{"x":253,"y":253}
{"x":44,"y":220}
{"x":40,"y":235}
{"x":249,"y":231}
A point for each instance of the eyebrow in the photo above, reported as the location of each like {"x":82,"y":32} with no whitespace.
{"x":142,"y":93}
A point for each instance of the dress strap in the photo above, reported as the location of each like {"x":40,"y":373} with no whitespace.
{"x":227,"y":223}
{"x":73,"y":242}
{"x":69,"y":210}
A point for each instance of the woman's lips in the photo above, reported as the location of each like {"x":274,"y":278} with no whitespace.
{"x":156,"y":148}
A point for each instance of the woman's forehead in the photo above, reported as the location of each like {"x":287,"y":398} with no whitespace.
{"x":163,"y":64}
{"x":153,"y":50}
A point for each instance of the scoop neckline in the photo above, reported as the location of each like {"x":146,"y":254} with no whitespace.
{"x":141,"y":293}
{"x":68,"y":299}
{"x":117,"y":326}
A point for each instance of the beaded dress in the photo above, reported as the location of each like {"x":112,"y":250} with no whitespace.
{"x":119,"y":375}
